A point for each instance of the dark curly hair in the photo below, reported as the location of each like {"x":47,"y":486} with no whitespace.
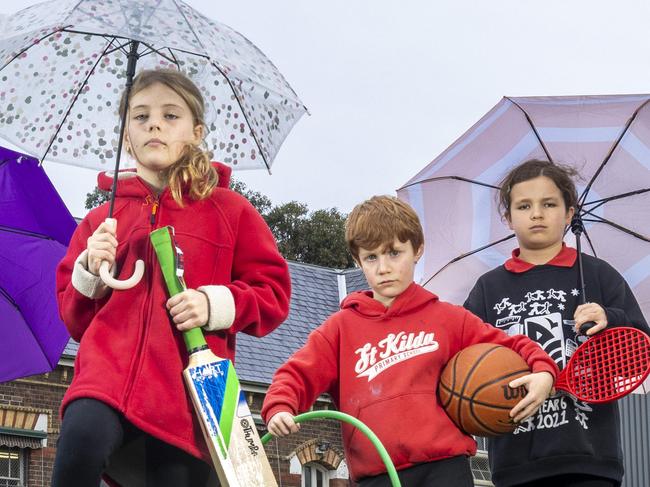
{"x":561,"y":175}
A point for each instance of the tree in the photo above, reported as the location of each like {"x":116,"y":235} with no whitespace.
{"x":287,"y":222}
{"x":96,"y":197}
{"x":323,"y":239}
{"x":313,"y":238}
{"x":316,"y":238}
{"x":261,"y":202}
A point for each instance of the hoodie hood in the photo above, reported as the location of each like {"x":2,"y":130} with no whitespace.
{"x":413,"y":298}
{"x":127,"y":178}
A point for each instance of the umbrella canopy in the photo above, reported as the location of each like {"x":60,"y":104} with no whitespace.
{"x":606,"y":138}
{"x":32,"y":242}
{"x":63,"y":67}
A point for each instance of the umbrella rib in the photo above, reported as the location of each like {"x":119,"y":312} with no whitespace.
{"x":34,"y":43}
{"x":24,"y":232}
{"x":74,"y":99}
{"x":459,"y":178}
{"x":5,"y":294}
{"x":128,"y":40}
{"x":467,"y":254}
{"x":591,"y":244}
{"x":73,"y":9}
{"x":598,"y":203}
{"x":530,"y":122}
{"x":599,"y":219}
{"x":616,"y":143}
{"x":239,"y":102}
{"x":189,"y":26}
{"x":174,"y":60}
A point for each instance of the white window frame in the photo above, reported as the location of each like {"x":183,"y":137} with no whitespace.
{"x":7,"y":452}
{"x":315,"y":470}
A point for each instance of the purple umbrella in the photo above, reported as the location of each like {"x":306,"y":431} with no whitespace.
{"x":35,"y":229}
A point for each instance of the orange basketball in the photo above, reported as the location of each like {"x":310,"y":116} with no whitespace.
{"x":474,"y":388}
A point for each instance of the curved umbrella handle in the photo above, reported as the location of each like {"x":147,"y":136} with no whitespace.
{"x":110,"y":281}
{"x":118,"y":284}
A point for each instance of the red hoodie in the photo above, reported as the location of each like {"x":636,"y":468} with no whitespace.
{"x":130,"y":356}
{"x":382,"y":365}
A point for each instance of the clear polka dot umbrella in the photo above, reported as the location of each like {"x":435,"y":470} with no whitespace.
{"x":63,"y":67}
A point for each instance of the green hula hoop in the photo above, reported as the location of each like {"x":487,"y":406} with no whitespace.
{"x":346,"y":418}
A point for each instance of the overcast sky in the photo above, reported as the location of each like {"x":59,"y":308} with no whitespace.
{"x":390,"y":84}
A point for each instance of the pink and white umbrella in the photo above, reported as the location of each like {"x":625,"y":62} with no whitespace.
{"x":606,"y":138}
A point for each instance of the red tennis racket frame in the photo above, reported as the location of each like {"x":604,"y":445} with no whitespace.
{"x":608,"y":366}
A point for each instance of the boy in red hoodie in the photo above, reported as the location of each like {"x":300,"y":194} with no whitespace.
{"x":381,"y":355}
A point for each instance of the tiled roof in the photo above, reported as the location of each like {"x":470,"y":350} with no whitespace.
{"x":355,"y":280}
{"x":314,"y":296}
{"x":71,"y":348}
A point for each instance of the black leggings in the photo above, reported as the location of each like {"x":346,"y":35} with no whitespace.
{"x":443,"y":473}
{"x":92,"y":431}
{"x":572,"y":480}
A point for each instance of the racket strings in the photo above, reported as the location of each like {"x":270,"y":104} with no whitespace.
{"x":609,"y":365}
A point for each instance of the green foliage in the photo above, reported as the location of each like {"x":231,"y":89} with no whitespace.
{"x":96,"y":197}
{"x":313,"y":238}
{"x":323,"y":236}
{"x":287,"y":222}
{"x":261,"y":202}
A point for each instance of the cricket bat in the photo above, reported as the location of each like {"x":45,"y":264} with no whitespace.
{"x":220,"y":404}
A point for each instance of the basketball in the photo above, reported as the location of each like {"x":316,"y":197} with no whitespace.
{"x":474,"y":388}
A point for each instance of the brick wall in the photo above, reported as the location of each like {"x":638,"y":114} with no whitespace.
{"x":45,"y":392}
{"x":41,"y":392}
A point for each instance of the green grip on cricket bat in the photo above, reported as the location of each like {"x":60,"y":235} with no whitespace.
{"x":163,"y":244}
{"x":166,"y":251}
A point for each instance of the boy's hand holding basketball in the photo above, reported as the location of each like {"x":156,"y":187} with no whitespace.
{"x":282,"y":424}
{"x":539,"y":387}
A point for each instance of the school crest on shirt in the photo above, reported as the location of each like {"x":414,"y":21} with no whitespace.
{"x":539,"y":316}
{"x":394,"y":349}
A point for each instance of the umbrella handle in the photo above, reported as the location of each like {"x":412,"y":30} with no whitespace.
{"x":118,"y":284}
{"x":109,"y":280}
{"x":586,"y":327}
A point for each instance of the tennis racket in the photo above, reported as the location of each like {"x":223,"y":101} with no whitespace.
{"x":608,"y":366}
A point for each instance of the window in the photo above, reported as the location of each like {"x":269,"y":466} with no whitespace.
{"x":11,"y":467}
{"x":313,"y":475}
{"x":480,"y":465}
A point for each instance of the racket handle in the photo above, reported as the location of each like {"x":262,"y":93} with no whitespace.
{"x":585,"y":327}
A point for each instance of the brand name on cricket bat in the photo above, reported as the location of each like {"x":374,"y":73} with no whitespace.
{"x":395,"y":348}
{"x":249,"y":436}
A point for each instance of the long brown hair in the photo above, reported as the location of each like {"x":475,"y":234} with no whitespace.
{"x":193,"y":170}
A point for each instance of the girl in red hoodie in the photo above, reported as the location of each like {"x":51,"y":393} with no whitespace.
{"x":128,"y":387}
{"x":381,"y":355}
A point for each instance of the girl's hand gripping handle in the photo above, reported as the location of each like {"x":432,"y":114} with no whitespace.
{"x":109,"y":280}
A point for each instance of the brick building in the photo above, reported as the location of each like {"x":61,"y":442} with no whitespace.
{"x":29,"y":423}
